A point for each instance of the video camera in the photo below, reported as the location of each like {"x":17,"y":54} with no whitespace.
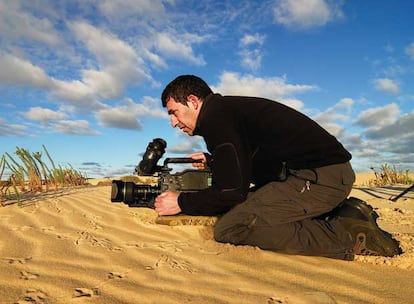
{"x":143,"y":195}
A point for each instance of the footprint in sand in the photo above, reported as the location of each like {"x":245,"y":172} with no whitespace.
{"x":33,"y":296}
{"x":55,"y":206}
{"x":52,"y":230}
{"x":306,"y":298}
{"x":49,"y":229}
{"x":116,"y":275}
{"x":86,"y":292}
{"x":96,"y":241}
{"x":166,"y":260}
{"x":93,"y":220}
{"x":17,"y":260}
{"x":174,"y":246}
{"x":27,"y":275}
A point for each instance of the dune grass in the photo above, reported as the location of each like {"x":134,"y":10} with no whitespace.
{"x":389,"y":175}
{"x":29,"y":172}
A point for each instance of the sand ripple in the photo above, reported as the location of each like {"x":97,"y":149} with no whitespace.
{"x":78,"y":247}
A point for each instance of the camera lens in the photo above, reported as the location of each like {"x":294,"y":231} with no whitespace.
{"x":117,"y":194}
{"x":133,"y":194}
{"x":122,"y":191}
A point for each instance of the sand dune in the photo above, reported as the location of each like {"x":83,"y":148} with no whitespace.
{"x":76,"y":246}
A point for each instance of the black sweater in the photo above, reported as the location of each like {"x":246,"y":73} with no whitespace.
{"x":248,"y":138}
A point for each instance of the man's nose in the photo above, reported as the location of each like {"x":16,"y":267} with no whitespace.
{"x":174,"y":121}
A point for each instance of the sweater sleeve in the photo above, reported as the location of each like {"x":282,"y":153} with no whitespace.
{"x":228,"y":189}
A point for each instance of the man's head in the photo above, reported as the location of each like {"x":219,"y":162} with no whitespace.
{"x":183,"y":98}
{"x":183,"y":86}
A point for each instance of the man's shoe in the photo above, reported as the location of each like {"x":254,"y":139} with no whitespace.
{"x":360,"y":220}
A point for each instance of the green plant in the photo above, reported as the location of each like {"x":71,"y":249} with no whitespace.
{"x":30,"y":173}
{"x":34,"y":176}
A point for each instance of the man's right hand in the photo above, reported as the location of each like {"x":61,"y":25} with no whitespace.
{"x":198,"y":156}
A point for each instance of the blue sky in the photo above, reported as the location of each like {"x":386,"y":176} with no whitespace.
{"x":84,"y":78}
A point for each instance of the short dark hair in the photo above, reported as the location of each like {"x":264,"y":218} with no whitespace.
{"x":185,"y":85}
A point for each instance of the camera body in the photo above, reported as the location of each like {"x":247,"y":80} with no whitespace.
{"x":143,"y":195}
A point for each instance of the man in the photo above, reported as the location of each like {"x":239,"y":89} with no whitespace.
{"x":301,"y":175}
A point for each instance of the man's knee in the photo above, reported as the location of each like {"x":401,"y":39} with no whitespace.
{"x":233,"y":230}
{"x":220,"y":235}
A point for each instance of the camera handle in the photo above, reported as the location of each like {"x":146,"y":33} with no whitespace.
{"x":177,"y":160}
{"x":181,"y":160}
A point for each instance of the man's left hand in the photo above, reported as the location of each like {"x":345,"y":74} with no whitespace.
{"x":167,"y":203}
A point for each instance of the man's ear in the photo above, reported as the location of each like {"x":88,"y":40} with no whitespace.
{"x":194,"y":100}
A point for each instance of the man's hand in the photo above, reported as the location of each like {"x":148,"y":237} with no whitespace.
{"x":198,"y":156}
{"x":167,"y":203}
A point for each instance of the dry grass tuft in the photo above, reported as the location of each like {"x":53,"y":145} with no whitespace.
{"x":30,"y":173}
{"x":390,"y":176}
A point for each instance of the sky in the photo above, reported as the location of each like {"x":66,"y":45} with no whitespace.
{"x":84,"y":77}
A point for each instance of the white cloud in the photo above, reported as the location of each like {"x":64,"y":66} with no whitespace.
{"x":189,"y":145}
{"x":17,"y":24}
{"x":74,"y":127}
{"x":17,"y":71}
{"x":392,"y":144}
{"x":334,"y":129}
{"x":122,"y":8}
{"x":274,"y":88}
{"x":251,"y":54}
{"x":154,"y":58}
{"x":345,"y":103}
{"x":339,"y":112}
{"x":251,"y":59}
{"x":127,"y":116}
{"x":378,"y":117}
{"x":8,"y":129}
{"x":292,"y":102}
{"x":387,"y":85}
{"x":119,"y":63}
{"x":102,"y":84}
{"x":249,"y":39}
{"x":149,"y":108}
{"x":386,"y":137}
{"x":106,"y":47}
{"x":331,"y":117}
{"x":409,"y":50}
{"x":74,"y":91}
{"x":44,"y":115}
{"x":118,"y":117}
{"x":399,"y":130}
{"x":177,"y":47}
{"x":304,"y":14}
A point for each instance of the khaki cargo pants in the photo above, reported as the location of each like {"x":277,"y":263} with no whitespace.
{"x":288,"y":216}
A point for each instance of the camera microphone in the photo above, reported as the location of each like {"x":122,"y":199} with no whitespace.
{"x":155,"y":150}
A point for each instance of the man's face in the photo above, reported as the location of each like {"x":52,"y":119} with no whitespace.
{"x":183,"y":117}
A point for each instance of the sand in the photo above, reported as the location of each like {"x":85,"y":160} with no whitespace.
{"x":75,"y":246}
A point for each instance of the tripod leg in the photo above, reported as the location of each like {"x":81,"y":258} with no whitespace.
{"x":402,"y":193}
